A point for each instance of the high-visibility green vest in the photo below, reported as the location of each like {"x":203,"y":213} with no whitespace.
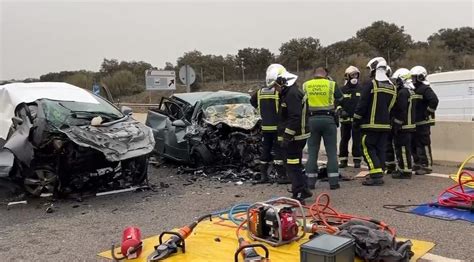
{"x":320,"y":94}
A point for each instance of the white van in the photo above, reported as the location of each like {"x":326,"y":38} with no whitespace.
{"x":455,"y":91}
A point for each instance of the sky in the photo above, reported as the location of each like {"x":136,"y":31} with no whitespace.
{"x":37,"y":37}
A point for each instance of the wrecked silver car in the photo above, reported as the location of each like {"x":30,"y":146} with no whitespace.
{"x":59,"y":138}
{"x":206,"y":128}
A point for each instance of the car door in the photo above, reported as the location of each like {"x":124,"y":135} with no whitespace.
{"x":170,"y":139}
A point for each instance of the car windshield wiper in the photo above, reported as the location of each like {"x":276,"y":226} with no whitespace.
{"x":100,"y":113}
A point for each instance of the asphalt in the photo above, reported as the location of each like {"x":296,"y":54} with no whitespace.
{"x":77,"y":231}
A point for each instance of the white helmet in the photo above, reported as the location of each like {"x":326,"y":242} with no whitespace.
{"x":419,"y":73}
{"x":277,"y":73}
{"x":377,"y":62}
{"x":402,"y":73}
{"x":389,"y":71}
{"x":351,"y":70}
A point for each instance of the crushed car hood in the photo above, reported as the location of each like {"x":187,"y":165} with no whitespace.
{"x":117,"y":141}
{"x":242,"y":116}
{"x":11,"y":95}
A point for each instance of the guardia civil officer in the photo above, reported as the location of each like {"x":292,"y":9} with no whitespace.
{"x":403,"y":125}
{"x":372,"y":115}
{"x":292,"y":129}
{"x":345,"y":110}
{"x":322,"y":94}
{"x":426,"y":104}
{"x":267,"y":101}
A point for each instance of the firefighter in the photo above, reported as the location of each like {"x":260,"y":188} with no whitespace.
{"x":267,"y":101}
{"x":322,"y":95}
{"x":372,"y":116}
{"x":403,"y":125}
{"x":345,"y":110}
{"x":292,"y":129}
{"x":426,"y":104}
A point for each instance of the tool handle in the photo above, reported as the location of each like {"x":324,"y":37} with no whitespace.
{"x":236,"y":255}
{"x":181,"y":243}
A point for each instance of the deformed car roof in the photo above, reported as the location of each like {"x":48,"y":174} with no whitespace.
{"x":194,"y":97}
{"x":13,"y":94}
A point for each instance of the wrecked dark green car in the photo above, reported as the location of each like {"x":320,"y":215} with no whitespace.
{"x":205,"y":128}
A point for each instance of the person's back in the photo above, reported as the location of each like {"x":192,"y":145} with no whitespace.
{"x":322,"y":94}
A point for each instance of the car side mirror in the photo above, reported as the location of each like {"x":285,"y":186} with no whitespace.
{"x":17,"y":121}
{"x":126,"y":110}
{"x":179,"y":123}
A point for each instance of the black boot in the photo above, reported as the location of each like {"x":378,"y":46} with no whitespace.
{"x":334,"y":183}
{"x":391,"y":168}
{"x":282,"y":177}
{"x":401,"y":175}
{"x":302,"y":195}
{"x":373,"y":180}
{"x":356,"y":163}
{"x":342,"y":163}
{"x":311,"y":180}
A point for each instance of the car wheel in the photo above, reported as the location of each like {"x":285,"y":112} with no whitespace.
{"x":201,"y":156}
{"x":40,"y":180}
{"x":135,"y":169}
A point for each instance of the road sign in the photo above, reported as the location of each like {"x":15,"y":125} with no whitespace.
{"x":160,"y":80}
{"x":96,"y":89}
{"x":187,"y":76}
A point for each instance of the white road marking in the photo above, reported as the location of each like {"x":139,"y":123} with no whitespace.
{"x":438,"y":175}
{"x":436,"y":258}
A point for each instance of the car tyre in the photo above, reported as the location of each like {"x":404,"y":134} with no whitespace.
{"x":201,"y":156}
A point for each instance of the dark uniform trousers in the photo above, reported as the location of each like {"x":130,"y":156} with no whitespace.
{"x":271,"y":150}
{"x":346,"y":133}
{"x":373,"y":149}
{"x":294,"y":166}
{"x":421,"y":146}
{"x":399,"y":151}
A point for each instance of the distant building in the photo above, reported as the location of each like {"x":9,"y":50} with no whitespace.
{"x":455,"y":91}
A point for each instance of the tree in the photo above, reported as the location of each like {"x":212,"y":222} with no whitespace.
{"x":458,"y":40}
{"x":122,"y":83}
{"x":254,"y":60}
{"x":338,"y":51}
{"x":389,"y":40}
{"x":169,"y":66}
{"x":306,"y":52}
{"x":82,"y":79}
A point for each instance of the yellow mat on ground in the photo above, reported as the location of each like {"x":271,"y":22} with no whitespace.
{"x":215,"y":242}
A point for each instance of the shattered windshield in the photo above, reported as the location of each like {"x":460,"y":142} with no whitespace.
{"x":70,"y":113}
{"x":235,"y":115}
{"x":225,"y":100}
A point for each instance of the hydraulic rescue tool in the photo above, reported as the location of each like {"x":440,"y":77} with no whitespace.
{"x":177,"y":240}
{"x":131,"y":246}
{"x":274,"y":222}
{"x":249,"y":254}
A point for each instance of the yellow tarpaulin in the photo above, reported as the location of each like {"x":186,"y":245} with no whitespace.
{"x":216,"y":243}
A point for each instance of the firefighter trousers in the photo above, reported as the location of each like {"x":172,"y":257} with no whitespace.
{"x":421,"y":146}
{"x":346,"y":133}
{"x":398,"y":151}
{"x":294,"y":165}
{"x":373,"y":149}
{"x":322,"y":127}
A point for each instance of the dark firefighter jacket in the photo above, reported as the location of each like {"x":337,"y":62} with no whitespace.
{"x":351,"y":96}
{"x":426,"y":104}
{"x":293,"y":114}
{"x":403,"y":113}
{"x":377,"y":99}
{"x":267,"y":102}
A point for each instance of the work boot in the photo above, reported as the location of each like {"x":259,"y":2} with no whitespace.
{"x":356,"y":163}
{"x":282,"y":177}
{"x":391,"y":168}
{"x":263,"y":173}
{"x":401,"y":175}
{"x":334,"y":183}
{"x":373,"y":180}
{"x":416,"y":167}
{"x":343,"y":164}
{"x":311,"y":179}
{"x":421,"y":171}
{"x":301,"y":196}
